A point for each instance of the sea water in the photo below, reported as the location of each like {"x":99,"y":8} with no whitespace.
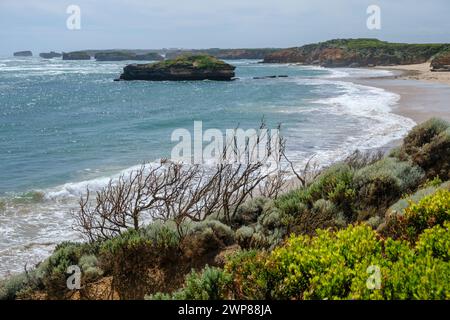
{"x":66,"y":126}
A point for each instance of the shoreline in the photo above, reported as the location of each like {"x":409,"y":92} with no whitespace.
{"x":423,"y":94}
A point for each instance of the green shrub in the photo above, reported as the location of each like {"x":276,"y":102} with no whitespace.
{"x":163,"y":235}
{"x":244,"y":236}
{"x":399,"y":207}
{"x":395,"y":152}
{"x":334,"y":184}
{"x":52,"y":272}
{"x":249,"y":212}
{"x":374,"y":222}
{"x":11,"y":287}
{"x":293,"y":202}
{"x":435,"y":182}
{"x":328,"y":201}
{"x":89,"y":265}
{"x":409,"y":217}
{"x":385,"y":181}
{"x":335,"y":265}
{"x":210,"y":229}
{"x":434,"y":157}
{"x":128,"y":258}
{"x":423,"y":134}
{"x":206,"y":240}
{"x":323,"y":214}
{"x":271,"y":227}
{"x":210,"y":284}
{"x":250,"y":278}
{"x":435,"y":242}
{"x":430,"y":211}
{"x":428,"y":146}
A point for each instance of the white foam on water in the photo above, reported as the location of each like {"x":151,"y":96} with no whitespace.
{"x":370,"y":105}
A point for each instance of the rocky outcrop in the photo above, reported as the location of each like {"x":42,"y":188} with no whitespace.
{"x":76,"y":55}
{"x":355,"y":53}
{"x":198,"y":67}
{"x":124,"y":55}
{"x":271,"y":77}
{"x":23,"y":54}
{"x":50,"y":55}
{"x":441,"y":62}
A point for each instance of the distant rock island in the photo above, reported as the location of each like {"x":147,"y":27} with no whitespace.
{"x":76,"y":55}
{"x":357,"y":53}
{"x":127,"y":55}
{"x":50,"y":55}
{"x":190,"y":67}
{"x":23,"y":54}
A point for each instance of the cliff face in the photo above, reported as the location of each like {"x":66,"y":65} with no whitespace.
{"x":23,"y":54}
{"x":122,"y":55}
{"x":182,"y":68}
{"x":355,"y":53}
{"x":441,"y":62}
{"x":77,"y":55}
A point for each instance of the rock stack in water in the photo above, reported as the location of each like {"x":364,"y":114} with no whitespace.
{"x":195,"y":67}
{"x":23,"y":54}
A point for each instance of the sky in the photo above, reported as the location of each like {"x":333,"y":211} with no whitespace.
{"x":41,"y":25}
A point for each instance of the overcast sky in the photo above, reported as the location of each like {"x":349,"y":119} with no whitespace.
{"x":40,"y":25}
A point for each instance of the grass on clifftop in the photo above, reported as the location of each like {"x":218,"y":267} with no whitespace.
{"x":189,"y":61}
{"x":365,"y":43}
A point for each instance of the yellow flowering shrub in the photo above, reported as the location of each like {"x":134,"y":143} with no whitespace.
{"x":343,"y":264}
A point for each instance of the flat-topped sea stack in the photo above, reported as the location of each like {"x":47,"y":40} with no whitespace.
{"x":23,"y":54}
{"x":50,"y":55}
{"x":124,"y":55}
{"x":76,"y":55}
{"x":195,"y":67}
{"x":441,"y":62}
{"x":356,"y":53}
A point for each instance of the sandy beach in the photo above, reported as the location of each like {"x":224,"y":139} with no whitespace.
{"x":420,"y":72}
{"x":424,"y":94}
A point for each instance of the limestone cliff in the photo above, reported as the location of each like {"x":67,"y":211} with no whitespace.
{"x":356,"y":53}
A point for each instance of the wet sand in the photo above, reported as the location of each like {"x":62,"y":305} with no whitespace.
{"x":421,"y":72}
{"x":419,"y":100}
{"x":421,"y":97}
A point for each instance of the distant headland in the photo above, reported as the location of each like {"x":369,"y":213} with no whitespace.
{"x":363,"y":52}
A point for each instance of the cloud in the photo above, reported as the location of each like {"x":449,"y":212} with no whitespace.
{"x":41,"y":24}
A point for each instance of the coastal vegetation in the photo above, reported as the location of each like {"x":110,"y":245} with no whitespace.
{"x":357,"y":52}
{"x":236,"y":236}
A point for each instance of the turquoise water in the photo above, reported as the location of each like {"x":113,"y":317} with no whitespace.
{"x":65,"y":125}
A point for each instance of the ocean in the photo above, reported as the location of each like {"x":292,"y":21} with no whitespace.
{"x":66,"y":126}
